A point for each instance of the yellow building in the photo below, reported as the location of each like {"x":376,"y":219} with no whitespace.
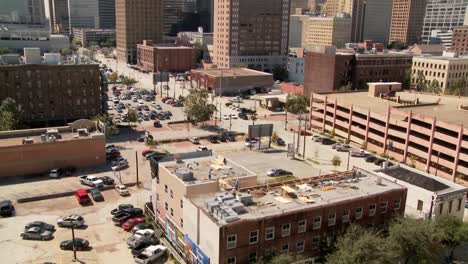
{"x":444,"y":69}
{"x":332,"y":7}
{"x":326,"y":30}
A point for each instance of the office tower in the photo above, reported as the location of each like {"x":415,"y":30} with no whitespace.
{"x":333,"y":7}
{"x":327,"y":31}
{"x":136,"y":20}
{"x":179,"y":15}
{"x":30,"y":12}
{"x":106,"y":14}
{"x":377,"y":17}
{"x":460,"y":40}
{"x":58,"y":16}
{"x":205,"y":11}
{"x":442,"y":15}
{"x":253,"y":33}
{"x":407,"y":21}
{"x":83,"y":13}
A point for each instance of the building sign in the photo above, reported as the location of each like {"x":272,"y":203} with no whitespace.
{"x":261,"y":130}
{"x":193,"y":254}
{"x":160,"y":77}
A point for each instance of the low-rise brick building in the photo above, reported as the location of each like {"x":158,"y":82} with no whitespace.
{"x":165,"y":57}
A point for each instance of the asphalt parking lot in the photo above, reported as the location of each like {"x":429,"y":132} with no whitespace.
{"x":107,"y":241}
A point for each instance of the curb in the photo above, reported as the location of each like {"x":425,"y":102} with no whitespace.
{"x":63,"y":194}
{"x":174,"y":140}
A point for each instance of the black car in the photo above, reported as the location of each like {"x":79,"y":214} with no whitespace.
{"x":6,"y":208}
{"x":379,"y":161}
{"x":142,"y":246}
{"x":141,"y":139}
{"x":120,"y":208}
{"x":227,"y":137}
{"x":41,"y":225}
{"x":371,"y":158}
{"x":96,"y":195}
{"x":213,"y":139}
{"x":80,"y":244}
{"x":327,"y":141}
{"x":133,"y":212}
{"x":107,"y":180}
{"x":243,"y":116}
{"x":280,"y":142}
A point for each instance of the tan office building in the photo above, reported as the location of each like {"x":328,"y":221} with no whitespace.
{"x":407,"y":21}
{"x":251,"y":33}
{"x":327,"y":31}
{"x":445,"y":70}
{"x":136,"y":20}
{"x":333,"y":7}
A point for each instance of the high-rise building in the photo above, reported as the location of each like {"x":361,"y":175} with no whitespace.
{"x":58,"y":16}
{"x":136,"y":20}
{"x":30,"y":12}
{"x":376,"y":22}
{"x":251,"y":32}
{"x":106,"y":14}
{"x":333,"y":7}
{"x":407,"y":21}
{"x":442,"y":15}
{"x":174,"y":13}
{"x":83,"y":13}
{"x":460,"y":40}
{"x":326,"y":30}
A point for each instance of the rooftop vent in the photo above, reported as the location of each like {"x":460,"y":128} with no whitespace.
{"x":245,"y":198}
{"x":184,"y":174}
{"x":225,"y":196}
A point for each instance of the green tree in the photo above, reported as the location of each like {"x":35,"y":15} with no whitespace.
{"x":9,"y":115}
{"x":65,"y":51}
{"x":76,"y":42}
{"x":456,"y":88}
{"x":359,"y":245}
{"x":132,"y":116}
{"x":280,"y":73}
{"x":197,"y":107}
{"x":407,"y":79}
{"x":398,"y":45}
{"x":4,"y":51}
{"x":415,"y":241}
{"x":421,"y":81}
{"x":128,"y":81}
{"x":113,"y":77}
{"x":336,"y":161}
{"x":296,"y":103}
{"x":452,"y":231}
{"x":434,"y":87}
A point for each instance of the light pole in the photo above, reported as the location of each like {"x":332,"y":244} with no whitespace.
{"x":73,"y":240}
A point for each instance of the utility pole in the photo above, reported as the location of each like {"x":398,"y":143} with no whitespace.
{"x":136,"y":160}
{"x":175,"y":84}
{"x":347,"y":164}
{"x":305,"y":130}
{"x":230,"y":123}
{"x":73,"y":239}
{"x":299,"y":133}
{"x":286,"y":119}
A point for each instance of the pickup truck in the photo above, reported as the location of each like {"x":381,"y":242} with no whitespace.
{"x":143,"y":245}
{"x":92,"y":181}
{"x":139,"y":237}
{"x":125,"y":214}
{"x":150,"y":254}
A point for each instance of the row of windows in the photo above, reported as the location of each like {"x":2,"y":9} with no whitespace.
{"x":316,"y":224}
{"x":300,"y":245}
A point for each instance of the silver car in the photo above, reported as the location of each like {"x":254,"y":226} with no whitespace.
{"x":36,"y":233}
{"x":68,"y":221}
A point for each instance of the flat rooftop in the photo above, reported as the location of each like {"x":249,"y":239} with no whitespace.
{"x":443,"y":58}
{"x":232,"y":72}
{"x":420,"y":179}
{"x":446,"y":110}
{"x":38,"y":139}
{"x":265,"y":202}
{"x":205,"y":169}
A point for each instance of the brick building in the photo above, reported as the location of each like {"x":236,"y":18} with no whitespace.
{"x":162,"y":57}
{"x":52,"y":92}
{"x":460,"y":40}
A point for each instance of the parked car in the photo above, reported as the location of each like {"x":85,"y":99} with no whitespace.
{"x":121,"y":208}
{"x":141,"y":226}
{"x":41,"y":225}
{"x":68,"y":221}
{"x":157,"y":123}
{"x":228,"y":137}
{"x":158,"y":107}
{"x":36,"y":233}
{"x":194,"y":140}
{"x":358,"y":153}
{"x":119,"y":166}
{"x":140,"y":235}
{"x":141,"y":139}
{"x":142,"y":246}
{"x":243,"y":116}
{"x":82,"y":197}
{"x":213,"y":139}
{"x":107,"y":180}
{"x":343,"y":148}
{"x":156,"y":155}
{"x":58,"y":172}
{"x":150,"y":254}
{"x":80,"y":244}
{"x":379,"y":161}
{"x":130,"y":223}
{"x":327,"y":141}
{"x":96,"y":195}
{"x":146,"y":152}
{"x":316,"y":138}
{"x":122,"y":190}
{"x":280,"y":142}
{"x":279,"y":172}
{"x":250,"y":142}
{"x":6,"y":208}
{"x":371,"y":158}
{"x":202,"y":148}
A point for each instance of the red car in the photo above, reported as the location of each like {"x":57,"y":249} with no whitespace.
{"x":146,"y":152}
{"x":130,"y":223}
{"x":82,"y":196}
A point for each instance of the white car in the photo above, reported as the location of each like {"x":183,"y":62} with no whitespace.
{"x":119,"y":166}
{"x":233,"y":116}
{"x":134,"y":99}
{"x":250,"y":142}
{"x":194,"y":140}
{"x":202,"y":148}
{"x":139,"y":235}
{"x":68,"y":221}
{"x":122,"y":190}
{"x":225,"y":117}
{"x":150,"y":254}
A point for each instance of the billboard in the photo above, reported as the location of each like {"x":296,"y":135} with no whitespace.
{"x":160,"y":77}
{"x":193,"y":253}
{"x":262,"y":130}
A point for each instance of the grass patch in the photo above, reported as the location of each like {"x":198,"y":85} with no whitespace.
{"x":280,"y":179}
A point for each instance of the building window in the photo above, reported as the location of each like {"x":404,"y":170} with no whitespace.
{"x":270,"y":233}
{"x":372,"y":209}
{"x":253,"y":257}
{"x":286,"y":230}
{"x":172,"y":212}
{"x":181,"y":222}
{"x":300,"y":246}
{"x":253,"y":237}
{"x":231,"y":242}
{"x":181,"y":204}
{"x":167,"y":207}
{"x":359,"y":213}
{"x":172,"y":194}
{"x":450,"y":206}
{"x":301,"y":226}
{"x":345,"y":217}
{"x":420,"y":205}
{"x":459,"y":204}
{"x":383,"y":207}
{"x":285,"y":249}
{"x":165,"y":188}
{"x":315,"y":242}
{"x":317,"y":222}
{"x":331,"y":219}
{"x":441,"y":208}
{"x":397,"y":204}
{"x":231,"y":260}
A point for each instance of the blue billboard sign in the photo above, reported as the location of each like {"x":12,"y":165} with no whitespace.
{"x":194,"y":255}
